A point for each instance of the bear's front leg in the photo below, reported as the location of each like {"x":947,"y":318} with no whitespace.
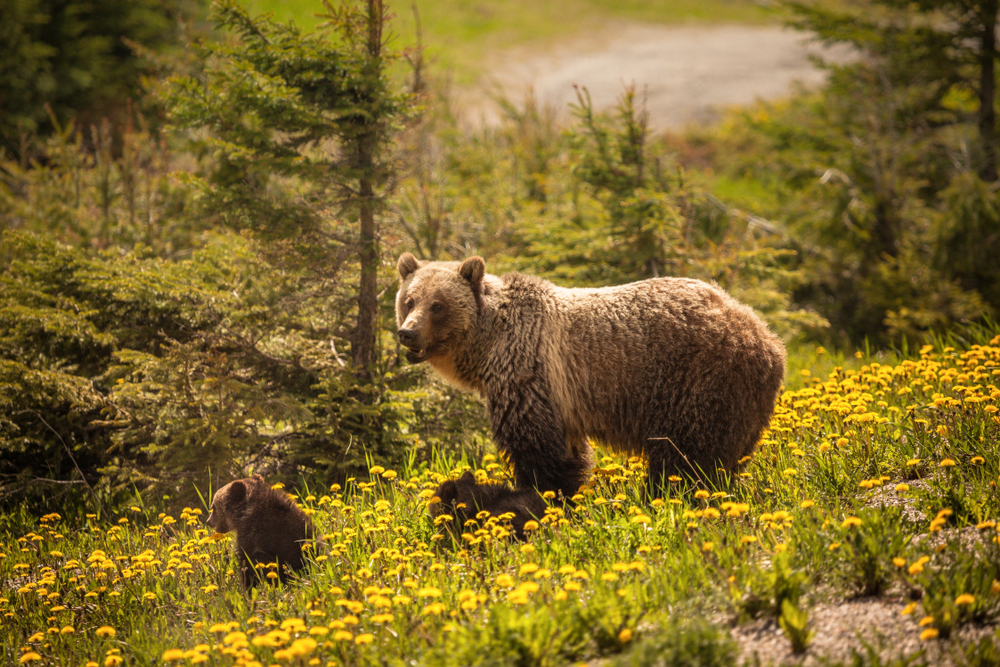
{"x":530,"y":436}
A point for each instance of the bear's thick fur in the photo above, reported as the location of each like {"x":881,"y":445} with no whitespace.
{"x":671,"y":368}
{"x":270,"y":527}
{"x":463,"y":499}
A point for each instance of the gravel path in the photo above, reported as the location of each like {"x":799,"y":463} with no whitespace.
{"x":689,"y":73}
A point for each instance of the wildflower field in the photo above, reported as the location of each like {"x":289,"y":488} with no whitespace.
{"x":878,"y":481}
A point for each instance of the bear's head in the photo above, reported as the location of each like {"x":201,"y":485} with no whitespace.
{"x":229,"y":503}
{"x":437,"y":304}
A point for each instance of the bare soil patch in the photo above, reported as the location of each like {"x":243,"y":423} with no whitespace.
{"x":689,"y":74}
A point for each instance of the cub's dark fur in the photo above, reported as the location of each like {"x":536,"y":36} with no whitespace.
{"x":270,"y":527}
{"x":463,"y":499}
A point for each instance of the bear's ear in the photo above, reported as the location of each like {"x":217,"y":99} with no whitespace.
{"x":237,"y":491}
{"x":473,"y":269}
{"x":467,"y":478}
{"x":406,"y":265}
{"x":447,"y":492}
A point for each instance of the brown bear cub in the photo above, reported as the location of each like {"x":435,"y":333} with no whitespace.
{"x":671,"y":368}
{"x":270,"y":527}
{"x":463,"y":499}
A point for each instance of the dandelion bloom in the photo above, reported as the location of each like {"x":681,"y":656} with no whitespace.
{"x":29,"y":657}
{"x":366,"y":638}
{"x":902,"y":488}
{"x":851,"y":521}
{"x":947,"y":463}
{"x":926,"y":620}
{"x":899,"y":562}
{"x":929,"y":633}
{"x":965,"y":598}
{"x":530,"y":525}
{"x":625,"y":635}
{"x":173,"y":655}
{"x":505,"y":580}
{"x":105,"y":631}
{"x":806,"y":504}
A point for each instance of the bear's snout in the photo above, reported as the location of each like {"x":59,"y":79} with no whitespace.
{"x":407,"y":338}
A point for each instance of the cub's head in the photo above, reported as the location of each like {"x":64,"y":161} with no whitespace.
{"x":230,"y":502}
{"x":437,"y":304}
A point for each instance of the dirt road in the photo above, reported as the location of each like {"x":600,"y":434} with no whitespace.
{"x":689,"y":73}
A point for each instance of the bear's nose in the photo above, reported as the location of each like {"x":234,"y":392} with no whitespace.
{"x":407,"y":338}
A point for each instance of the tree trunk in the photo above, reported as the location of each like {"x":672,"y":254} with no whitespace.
{"x":987,"y":91}
{"x":363,"y":345}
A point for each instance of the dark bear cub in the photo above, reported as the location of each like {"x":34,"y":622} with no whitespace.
{"x":463,"y":499}
{"x":270,"y":527}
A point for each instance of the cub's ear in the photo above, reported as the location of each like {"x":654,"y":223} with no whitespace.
{"x":467,"y":478}
{"x":237,"y":491}
{"x":447,"y":492}
{"x":473,"y":269}
{"x":406,"y":265}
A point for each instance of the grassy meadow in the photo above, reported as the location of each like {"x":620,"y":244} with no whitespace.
{"x":876,"y":480}
{"x":459,"y":36}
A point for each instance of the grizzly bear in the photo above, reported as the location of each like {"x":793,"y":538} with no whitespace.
{"x":671,"y":368}
{"x":270,"y":527}
{"x":463,"y":499}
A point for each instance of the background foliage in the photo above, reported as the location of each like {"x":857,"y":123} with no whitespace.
{"x":183,"y":307}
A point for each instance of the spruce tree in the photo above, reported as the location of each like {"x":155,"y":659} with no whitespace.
{"x":300,"y":125}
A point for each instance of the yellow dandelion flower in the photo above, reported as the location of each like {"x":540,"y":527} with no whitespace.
{"x":965,"y":599}
{"x":173,"y":655}
{"x":343,"y":636}
{"x":366,"y":638}
{"x":701,"y":494}
{"x":806,"y":504}
{"x":530,"y":525}
{"x":105,"y":631}
{"x":376,"y":470}
{"x":30,"y":656}
{"x":708,"y":546}
{"x":908,"y":609}
{"x":926,"y":620}
{"x":505,"y":580}
{"x":625,"y":635}
{"x":851,"y":521}
{"x":899,"y":562}
{"x":433,"y":609}
{"x":929,"y":633}
{"x":902,"y":488}
{"x":947,"y":463}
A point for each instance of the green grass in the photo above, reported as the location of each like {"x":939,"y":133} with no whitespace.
{"x":459,"y":35}
{"x":616,"y":575}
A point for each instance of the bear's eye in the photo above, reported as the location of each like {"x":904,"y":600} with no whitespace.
{"x":408,"y":304}
{"x":437,"y":307}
